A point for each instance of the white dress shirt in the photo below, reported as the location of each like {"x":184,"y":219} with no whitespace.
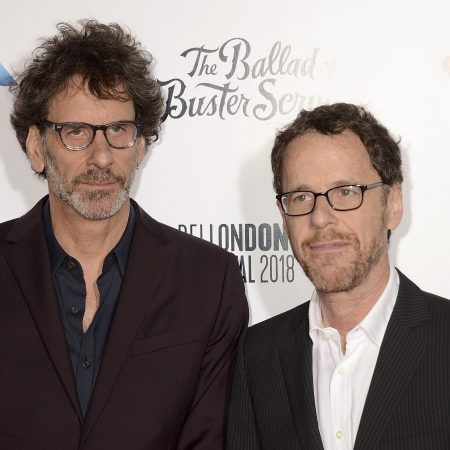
{"x":341,"y":381}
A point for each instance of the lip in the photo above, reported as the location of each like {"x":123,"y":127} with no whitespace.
{"x":329,"y":246}
{"x":98,"y":185}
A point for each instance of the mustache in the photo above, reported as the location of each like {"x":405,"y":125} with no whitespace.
{"x":98,"y":176}
{"x":328,"y":236}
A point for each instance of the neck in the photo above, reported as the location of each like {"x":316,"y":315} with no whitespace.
{"x":344,"y":310}
{"x":89,"y":241}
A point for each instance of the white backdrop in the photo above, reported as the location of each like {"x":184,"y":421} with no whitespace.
{"x":235,"y":72}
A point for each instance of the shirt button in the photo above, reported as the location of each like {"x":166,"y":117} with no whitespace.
{"x":86,"y":364}
{"x":327,"y":336}
{"x":75,"y":309}
{"x":342,"y":371}
{"x":71,"y":265}
{"x":339,"y":434}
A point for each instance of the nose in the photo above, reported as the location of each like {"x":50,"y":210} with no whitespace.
{"x":323,"y":214}
{"x":100,"y":151}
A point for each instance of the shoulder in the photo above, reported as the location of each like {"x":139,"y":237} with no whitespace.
{"x":409,"y":289}
{"x":417,"y":306}
{"x":190,"y":249}
{"x":5,"y":228}
{"x":16,"y":228}
{"x":439,"y":311}
{"x":193,"y":243}
{"x":437,"y":302}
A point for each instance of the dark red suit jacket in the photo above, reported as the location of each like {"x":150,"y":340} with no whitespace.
{"x":165,"y":374}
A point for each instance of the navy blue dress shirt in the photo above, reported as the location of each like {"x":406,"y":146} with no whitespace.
{"x":86,"y":349}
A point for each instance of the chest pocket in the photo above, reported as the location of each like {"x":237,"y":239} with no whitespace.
{"x":168,"y":339}
{"x":424,"y":432}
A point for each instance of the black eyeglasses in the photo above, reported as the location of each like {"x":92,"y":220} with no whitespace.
{"x":79,"y":135}
{"x":340,"y":198}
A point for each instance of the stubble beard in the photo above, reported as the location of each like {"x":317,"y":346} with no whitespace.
{"x":343,"y":276}
{"x":93,"y":205}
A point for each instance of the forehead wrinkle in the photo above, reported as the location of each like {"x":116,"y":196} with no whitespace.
{"x":337,"y":183}
{"x":317,"y":162}
{"x":79,"y":83}
{"x":77,"y":104}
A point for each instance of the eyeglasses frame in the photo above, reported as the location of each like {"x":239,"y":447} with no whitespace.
{"x":363,"y":187}
{"x":58,"y":126}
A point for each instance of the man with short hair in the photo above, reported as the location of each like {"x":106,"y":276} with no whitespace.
{"x":118,"y":332}
{"x":365,"y":364}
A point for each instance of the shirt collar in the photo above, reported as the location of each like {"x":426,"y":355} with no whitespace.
{"x":374,"y":323}
{"x":57,"y":253}
{"x":315,"y":314}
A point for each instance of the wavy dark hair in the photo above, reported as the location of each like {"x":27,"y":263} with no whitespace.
{"x":383,"y":150}
{"x":106,"y":57}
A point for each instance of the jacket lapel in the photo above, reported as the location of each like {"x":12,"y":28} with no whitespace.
{"x":400,"y":353}
{"x":27,"y":255}
{"x":148,"y":259}
{"x":296,"y":363}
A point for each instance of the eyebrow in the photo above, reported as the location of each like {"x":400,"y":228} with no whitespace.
{"x":305,"y":187}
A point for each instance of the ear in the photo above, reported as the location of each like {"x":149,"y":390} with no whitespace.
{"x":140,"y":151}
{"x":395,"y":206}
{"x":35,"y":151}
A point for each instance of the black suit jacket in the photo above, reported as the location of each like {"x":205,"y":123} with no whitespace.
{"x":165,"y":373}
{"x":408,"y":403}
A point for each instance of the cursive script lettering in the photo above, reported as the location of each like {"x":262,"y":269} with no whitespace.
{"x":225,"y":70}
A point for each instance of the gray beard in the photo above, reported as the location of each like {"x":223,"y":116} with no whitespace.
{"x":94,"y":205}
